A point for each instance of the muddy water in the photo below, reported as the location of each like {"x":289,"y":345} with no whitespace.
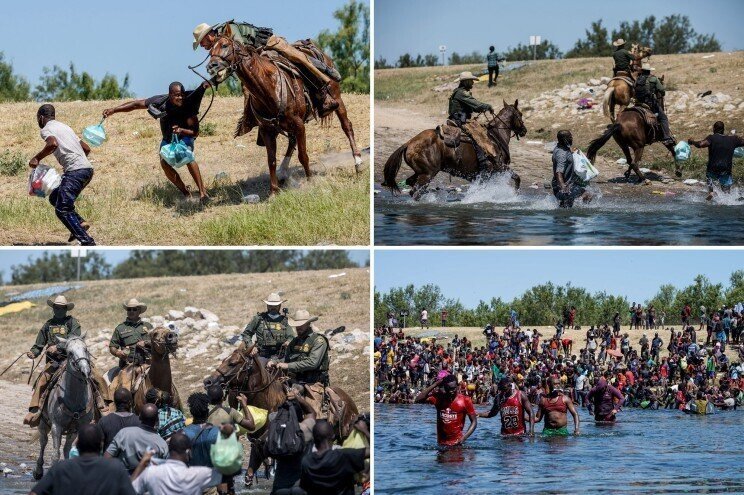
{"x":645,"y":452}
{"x":493,"y":214}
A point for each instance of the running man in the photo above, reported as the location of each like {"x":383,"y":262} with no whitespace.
{"x":452,"y":407}
{"x":602,"y":400}
{"x":513,"y":405}
{"x":720,"y":157}
{"x":554,"y":407}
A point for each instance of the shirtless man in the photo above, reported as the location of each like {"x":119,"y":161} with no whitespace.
{"x":452,"y":407}
{"x":553,"y":407}
{"x":513,"y":405}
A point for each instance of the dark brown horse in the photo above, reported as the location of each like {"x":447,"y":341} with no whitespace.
{"x":631,"y":131}
{"x":427,"y":154}
{"x":243,"y":372}
{"x":277,"y":101}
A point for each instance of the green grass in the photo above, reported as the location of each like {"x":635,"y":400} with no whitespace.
{"x":319,"y":210}
{"x":12,"y":163}
{"x":208,"y":129}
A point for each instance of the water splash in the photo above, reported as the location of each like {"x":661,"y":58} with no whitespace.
{"x":496,"y":189}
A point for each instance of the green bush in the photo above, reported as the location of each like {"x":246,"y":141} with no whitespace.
{"x":12,"y":163}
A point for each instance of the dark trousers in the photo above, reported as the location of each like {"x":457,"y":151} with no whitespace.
{"x":662,"y":118}
{"x":493,"y":75}
{"x":63,"y":199}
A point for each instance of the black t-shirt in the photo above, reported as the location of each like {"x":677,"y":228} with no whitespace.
{"x":331,"y":473}
{"x":178,"y":115}
{"x":112,"y":423}
{"x":721,"y":152}
{"x":289,"y":468}
{"x":86,"y":475}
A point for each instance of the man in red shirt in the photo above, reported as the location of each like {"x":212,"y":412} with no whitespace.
{"x":452,"y":408}
{"x":513,"y":405}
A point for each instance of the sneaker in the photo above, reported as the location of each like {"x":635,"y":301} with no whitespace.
{"x":84,"y":225}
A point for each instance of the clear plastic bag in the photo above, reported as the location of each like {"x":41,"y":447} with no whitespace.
{"x":43,"y":180}
{"x":682,"y":151}
{"x":583,"y":167}
{"x":176,"y":153}
{"x":94,"y":135}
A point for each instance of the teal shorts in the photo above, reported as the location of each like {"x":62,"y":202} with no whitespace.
{"x":555,"y":432}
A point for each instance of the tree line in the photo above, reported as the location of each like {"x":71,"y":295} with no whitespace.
{"x":673,"y":34}
{"x":544,"y":304}
{"x":348,"y":46}
{"x":51,"y":267}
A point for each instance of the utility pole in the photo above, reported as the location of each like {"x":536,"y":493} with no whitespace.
{"x":442,"y":50}
{"x":78,"y":253}
{"x":534,"y":41}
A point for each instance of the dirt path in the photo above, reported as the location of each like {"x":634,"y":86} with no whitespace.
{"x":530,"y":159}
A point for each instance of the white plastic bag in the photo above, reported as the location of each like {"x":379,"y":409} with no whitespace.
{"x":43,"y":180}
{"x":682,"y":151}
{"x":583,"y":168}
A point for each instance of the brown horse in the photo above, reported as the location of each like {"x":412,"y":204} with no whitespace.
{"x":243,"y":372}
{"x":140,"y":378}
{"x":631,"y":132}
{"x":277,"y":102}
{"x":427,"y":154}
{"x":619,"y":92}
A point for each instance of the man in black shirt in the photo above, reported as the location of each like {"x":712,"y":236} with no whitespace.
{"x":177,"y":111}
{"x":88,"y":474}
{"x":720,"y":157}
{"x":123,"y":417}
{"x":328,"y":471}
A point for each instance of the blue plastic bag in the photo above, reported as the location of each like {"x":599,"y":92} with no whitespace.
{"x":682,"y":151}
{"x":94,"y":135}
{"x":176,"y":154}
{"x":739,"y":152}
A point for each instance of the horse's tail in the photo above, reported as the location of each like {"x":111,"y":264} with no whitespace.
{"x":595,"y":145}
{"x":607,"y":101}
{"x":392,"y":166}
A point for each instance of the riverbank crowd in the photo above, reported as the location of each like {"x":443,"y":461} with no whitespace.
{"x":695,"y":367}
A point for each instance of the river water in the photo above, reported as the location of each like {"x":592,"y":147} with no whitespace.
{"x":496,"y":215}
{"x":648,"y":452}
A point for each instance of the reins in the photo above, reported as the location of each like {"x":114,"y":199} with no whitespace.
{"x":211,"y":86}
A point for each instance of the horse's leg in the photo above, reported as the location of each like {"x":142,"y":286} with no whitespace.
{"x":677,"y":168}
{"x":638,"y":152}
{"x":420,"y":186}
{"x":283,"y":172}
{"x":349,"y":131}
{"x":412,"y":179}
{"x":56,"y":441}
{"x":269,"y":138}
{"x":516,"y":178}
{"x":38,"y":472}
{"x":68,"y":446}
{"x":302,"y":149}
{"x":628,"y":157}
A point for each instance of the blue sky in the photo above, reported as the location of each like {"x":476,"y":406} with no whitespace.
{"x":478,"y":275}
{"x":420,"y":26}
{"x":150,"y":40}
{"x":8,"y":258}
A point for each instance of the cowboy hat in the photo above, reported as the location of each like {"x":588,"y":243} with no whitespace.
{"x":647,"y":66}
{"x":274,"y":300}
{"x":60,"y":301}
{"x":200,"y":32}
{"x":618,"y":42}
{"x":467,"y":76}
{"x":300,"y":317}
{"x":134,"y":303}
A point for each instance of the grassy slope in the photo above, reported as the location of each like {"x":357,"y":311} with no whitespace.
{"x":412,"y":88}
{"x":475,"y":334}
{"x":130,"y":202}
{"x":234,"y":298}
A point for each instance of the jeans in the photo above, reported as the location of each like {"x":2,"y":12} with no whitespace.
{"x":63,"y":199}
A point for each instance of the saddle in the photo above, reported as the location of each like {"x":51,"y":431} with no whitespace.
{"x":625,"y":77}
{"x":327,"y":405}
{"x":649,"y":118}
{"x":450,"y":133}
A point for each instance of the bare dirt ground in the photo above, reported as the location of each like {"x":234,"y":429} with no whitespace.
{"x":338,"y":299}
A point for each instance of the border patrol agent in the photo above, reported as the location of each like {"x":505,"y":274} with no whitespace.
{"x":270,"y":328}
{"x":307,"y":356}
{"x":133,"y":332}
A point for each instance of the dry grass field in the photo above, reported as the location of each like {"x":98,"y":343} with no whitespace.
{"x":130,"y":202}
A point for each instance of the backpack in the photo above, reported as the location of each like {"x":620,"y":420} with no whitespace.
{"x":285,"y":437}
{"x":642,"y":92}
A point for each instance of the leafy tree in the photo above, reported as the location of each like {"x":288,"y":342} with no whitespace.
{"x":60,"y":268}
{"x":230,"y":87}
{"x":665,"y":300}
{"x":406,"y":60}
{"x":595,"y":44}
{"x":324,"y":260}
{"x":12,"y":86}
{"x":673,"y":35}
{"x":545,"y":50}
{"x":471,"y":58}
{"x":735,"y":292}
{"x":640,"y":32}
{"x":700,"y":293}
{"x":705,"y":43}
{"x":349,"y":46}
{"x":430,"y":60}
{"x":57,"y":84}
{"x":381,"y":63}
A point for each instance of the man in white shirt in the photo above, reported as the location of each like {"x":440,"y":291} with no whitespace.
{"x":424,"y":319}
{"x":72,"y":154}
{"x":173,"y":476}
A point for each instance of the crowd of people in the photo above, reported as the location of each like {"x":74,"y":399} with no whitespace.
{"x":695,"y":366}
{"x":159,"y":452}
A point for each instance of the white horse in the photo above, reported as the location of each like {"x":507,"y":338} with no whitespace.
{"x":70,"y":403}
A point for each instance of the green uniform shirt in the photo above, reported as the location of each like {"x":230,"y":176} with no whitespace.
{"x":623,"y":59}
{"x":52,"y":329}
{"x":655,"y":85}
{"x":128,"y":334}
{"x":307,"y":357}
{"x":462,"y":101}
{"x":271,"y":332}
{"x":245,"y":33}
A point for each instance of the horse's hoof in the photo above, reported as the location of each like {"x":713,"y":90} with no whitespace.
{"x":38,"y":473}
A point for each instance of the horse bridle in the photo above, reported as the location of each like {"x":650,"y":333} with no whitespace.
{"x":230,"y":376}
{"x":507,"y":126}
